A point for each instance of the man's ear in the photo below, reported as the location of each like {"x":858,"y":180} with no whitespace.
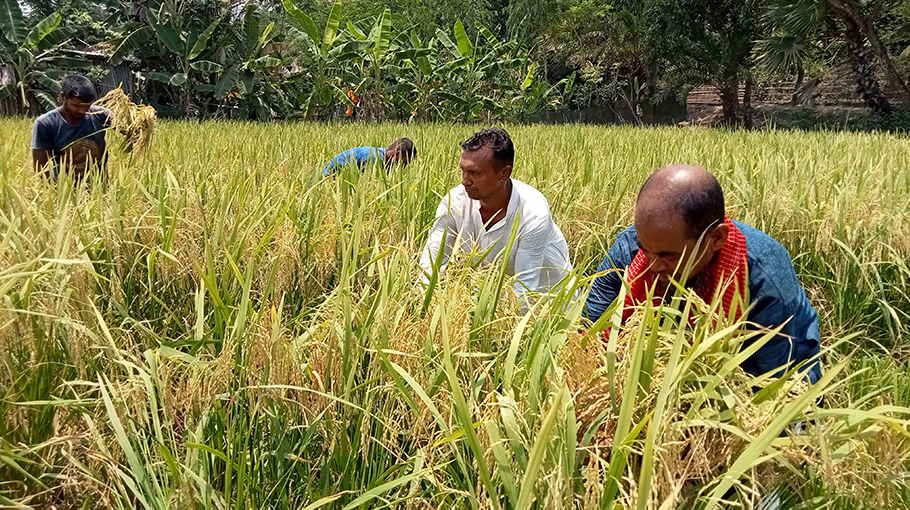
{"x":506,"y":172}
{"x":718,"y":236}
{"x":60,"y":99}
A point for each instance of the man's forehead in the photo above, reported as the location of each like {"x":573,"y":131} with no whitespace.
{"x":481,"y":158}
{"x":76,"y":101}
{"x":664,"y":228}
{"x":658,"y":212}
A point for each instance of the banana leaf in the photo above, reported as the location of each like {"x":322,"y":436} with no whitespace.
{"x":227,"y":82}
{"x":305,"y":22}
{"x":76,"y":63}
{"x":331,"y":28}
{"x":41,"y":30}
{"x":465,"y":48}
{"x":206,"y":66}
{"x":167,"y":34}
{"x":203,"y":40}
{"x":381,"y":42}
{"x":12,"y":22}
{"x":131,"y":43}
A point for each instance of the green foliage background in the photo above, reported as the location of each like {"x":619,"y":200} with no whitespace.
{"x":628,"y":56}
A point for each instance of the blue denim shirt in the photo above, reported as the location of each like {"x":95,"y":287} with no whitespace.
{"x":362,"y":156}
{"x":774,"y":290}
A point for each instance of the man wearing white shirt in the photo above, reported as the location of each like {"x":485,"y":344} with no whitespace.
{"x":483,"y":209}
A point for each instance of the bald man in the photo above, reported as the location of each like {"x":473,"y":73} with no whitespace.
{"x":682,"y":232}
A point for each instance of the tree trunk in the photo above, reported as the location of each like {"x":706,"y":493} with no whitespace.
{"x":800,"y":75}
{"x":855,"y":20}
{"x":9,"y":106}
{"x":729,"y":101}
{"x":867,"y":84}
{"x":186,"y":98}
{"x":882,"y":53}
{"x":747,"y":103}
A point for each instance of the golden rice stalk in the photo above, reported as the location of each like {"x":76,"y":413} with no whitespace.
{"x":136,"y":122}
{"x":686,"y":454}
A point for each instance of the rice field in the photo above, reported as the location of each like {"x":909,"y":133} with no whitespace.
{"x":216,"y":327}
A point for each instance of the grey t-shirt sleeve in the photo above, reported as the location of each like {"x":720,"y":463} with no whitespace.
{"x":42,"y":135}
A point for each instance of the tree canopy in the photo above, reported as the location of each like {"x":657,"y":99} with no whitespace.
{"x":465,"y":60}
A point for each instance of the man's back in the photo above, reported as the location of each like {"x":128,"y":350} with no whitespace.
{"x":361,"y":156}
{"x":777,"y":297}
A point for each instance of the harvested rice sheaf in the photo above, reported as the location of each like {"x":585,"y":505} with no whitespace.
{"x":136,"y":122}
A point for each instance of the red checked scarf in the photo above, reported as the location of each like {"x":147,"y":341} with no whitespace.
{"x":727,"y":272}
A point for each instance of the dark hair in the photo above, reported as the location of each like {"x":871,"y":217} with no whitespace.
{"x":404,"y":147}
{"x":76,"y":86}
{"x":495,"y":138}
{"x":701,"y":206}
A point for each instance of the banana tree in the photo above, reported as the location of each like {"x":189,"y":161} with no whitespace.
{"x":325,"y":56}
{"x":30,"y":53}
{"x":463,"y":79}
{"x":536,"y":94}
{"x":479,"y":77}
{"x":248,"y":82}
{"x":419,"y":74}
{"x":373,"y":59}
{"x":190,"y":49}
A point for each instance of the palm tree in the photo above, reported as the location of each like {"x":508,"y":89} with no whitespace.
{"x":800,"y":20}
{"x":860,"y":17}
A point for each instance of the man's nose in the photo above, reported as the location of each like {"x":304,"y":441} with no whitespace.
{"x":465,"y":180}
{"x":659,"y":265}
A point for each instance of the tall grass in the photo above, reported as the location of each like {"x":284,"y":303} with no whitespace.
{"x":216,"y":327}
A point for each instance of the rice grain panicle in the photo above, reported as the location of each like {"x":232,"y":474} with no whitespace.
{"x":136,"y":122}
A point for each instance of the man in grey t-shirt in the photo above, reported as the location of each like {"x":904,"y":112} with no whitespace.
{"x":71,"y":136}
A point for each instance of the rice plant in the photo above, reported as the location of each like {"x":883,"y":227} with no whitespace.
{"x":215,"y":326}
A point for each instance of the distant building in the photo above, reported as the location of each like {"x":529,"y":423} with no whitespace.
{"x":115,"y":76}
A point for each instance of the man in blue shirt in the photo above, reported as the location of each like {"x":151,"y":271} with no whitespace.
{"x":681,"y":232}
{"x":401,"y":152}
{"x":71,"y":136}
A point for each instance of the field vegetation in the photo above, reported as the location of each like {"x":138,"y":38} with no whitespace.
{"x":216,"y":327}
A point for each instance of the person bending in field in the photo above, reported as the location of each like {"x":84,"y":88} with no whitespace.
{"x":677,"y":206}
{"x":400,"y":153}
{"x":71,"y":136}
{"x":482,"y":211}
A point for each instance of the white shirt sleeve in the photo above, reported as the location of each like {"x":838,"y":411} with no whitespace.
{"x":443,"y":226}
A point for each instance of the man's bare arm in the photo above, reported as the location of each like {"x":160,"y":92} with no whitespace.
{"x":40,"y":159}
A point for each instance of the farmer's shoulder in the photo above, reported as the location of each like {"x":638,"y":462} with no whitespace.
{"x":50,"y":118}
{"x":100,"y":114}
{"x":530,"y":196}
{"x":771,"y":272}
{"x":763,"y":250}
{"x":623,"y":249}
{"x":365,"y":150}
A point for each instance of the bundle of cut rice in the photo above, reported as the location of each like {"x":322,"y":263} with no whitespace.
{"x":136,"y":122}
